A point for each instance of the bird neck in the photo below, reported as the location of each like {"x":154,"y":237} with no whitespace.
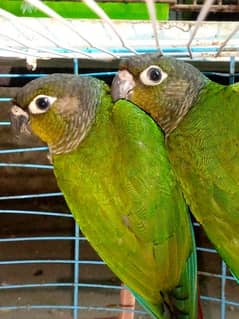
{"x":178,"y":100}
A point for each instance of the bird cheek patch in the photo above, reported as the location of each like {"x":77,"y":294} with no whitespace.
{"x":68,"y":105}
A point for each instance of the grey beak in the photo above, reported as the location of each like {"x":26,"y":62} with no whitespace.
{"x":19,"y":120}
{"x":122,"y":85}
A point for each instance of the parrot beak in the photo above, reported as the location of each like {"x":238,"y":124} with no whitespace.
{"x":122,"y":85}
{"x":19,"y":120}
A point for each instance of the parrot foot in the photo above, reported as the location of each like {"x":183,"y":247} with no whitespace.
{"x":170,"y":309}
{"x":178,"y":293}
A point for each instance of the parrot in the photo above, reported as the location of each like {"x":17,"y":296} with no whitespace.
{"x":199,"y":118}
{"x":110,"y":163}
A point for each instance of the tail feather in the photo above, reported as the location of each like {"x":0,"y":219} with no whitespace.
{"x":185,"y":295}
{"x":181,"y":302}
{"x":235,"y":277}
{"x":156,"y":311}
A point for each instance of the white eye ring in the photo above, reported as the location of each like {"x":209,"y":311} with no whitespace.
{"x":153,"y":75}
{"x":41,"y":103}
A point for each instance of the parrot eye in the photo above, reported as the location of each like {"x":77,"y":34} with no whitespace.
{"x":153,"y":75}
{"x":41,"y":103}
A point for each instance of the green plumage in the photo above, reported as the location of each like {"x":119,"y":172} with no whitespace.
{"x":200,"y":119}
{"x":206,"y":142}
{"x":121,"y":190}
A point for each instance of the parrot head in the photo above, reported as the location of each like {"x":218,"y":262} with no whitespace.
{"x":59,"y":108}
{"x":162,"y":86}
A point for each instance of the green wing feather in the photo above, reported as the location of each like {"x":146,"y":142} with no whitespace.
{"x":186,"y":294}
{"x":119,"y":185}
{"x":206,"y":142}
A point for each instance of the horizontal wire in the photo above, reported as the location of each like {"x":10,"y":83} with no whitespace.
{"x":23,"y":165}
{"x":207,"y":250}
{"x":196,"y":224}
{"x":27,"y":196}
{"x":209,"y":274}
{"x":90,"y":308}
{"x":50,"y":261}
{"x":227,"y":302}
{"x":175,"y":51}
{"x":20,"y":51}
{"x":40,"y":213}
{"x":26,"y":149}
{"x":67,"y":307}
{"x":27,"y":75}
{"x":5,"y":99}
{"x":57,"y":285}
{"x":39,"y":238}
{"x":221,"y":74}
{"x":36,"y":75}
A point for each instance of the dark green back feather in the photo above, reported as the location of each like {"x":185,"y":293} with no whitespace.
{"x":204,"y":150}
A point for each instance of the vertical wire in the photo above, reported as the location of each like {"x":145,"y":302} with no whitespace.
{"x":232,"y":70}
{"x":76,"y":241}
{"x":153,"y":18}
{"x":223,"y":294}
{"x":76,"y":272}
{"x":227,"y":40}
{"x":201,"y":16}
{"x":100,"y":12}
{"x":75,"y":66}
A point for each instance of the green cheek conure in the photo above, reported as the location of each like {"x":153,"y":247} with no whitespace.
{"x":200,"y":119}
{"x":111,"y":165}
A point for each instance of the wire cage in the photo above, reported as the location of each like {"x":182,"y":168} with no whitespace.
{"x":47,"y":268}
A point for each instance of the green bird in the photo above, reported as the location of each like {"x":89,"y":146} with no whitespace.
{"x":111,"y":165}
{"x":200,"y":120}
